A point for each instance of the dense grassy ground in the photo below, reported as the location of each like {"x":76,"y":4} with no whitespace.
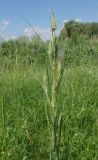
{"x":24,"y":133}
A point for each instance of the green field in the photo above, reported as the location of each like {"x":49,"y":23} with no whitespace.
{"x":24,"y":131}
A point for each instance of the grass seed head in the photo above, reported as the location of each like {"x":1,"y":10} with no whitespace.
{"x":53,"y":23}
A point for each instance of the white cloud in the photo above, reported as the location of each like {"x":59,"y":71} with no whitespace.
{"x":13,"y":37}
{"x":4,"y":24}
{"x":78,"y":20}
{"x":7,"y":38}
{"x":44,"y":33}
{"x":65,"y":21}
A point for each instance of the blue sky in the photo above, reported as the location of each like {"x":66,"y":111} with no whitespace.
{"x":38,"y":14}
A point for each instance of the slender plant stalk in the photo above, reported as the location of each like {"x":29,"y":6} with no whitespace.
{"x":3,"y":130}
{"x":51,"y":88}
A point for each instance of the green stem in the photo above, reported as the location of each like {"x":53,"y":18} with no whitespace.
{"x":3,"y":130}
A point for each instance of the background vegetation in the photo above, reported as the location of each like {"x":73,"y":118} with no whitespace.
{"x":24,"y":133}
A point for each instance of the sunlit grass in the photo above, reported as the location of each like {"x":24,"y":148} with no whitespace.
{"x":26,"y":130}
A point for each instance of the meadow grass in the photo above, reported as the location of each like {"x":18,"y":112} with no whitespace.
{"x":43,"y":117}
{"x":23,"y":125}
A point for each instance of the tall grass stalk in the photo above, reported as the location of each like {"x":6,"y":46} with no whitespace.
{"x":52,"y":82}
{"x":3,"y":130}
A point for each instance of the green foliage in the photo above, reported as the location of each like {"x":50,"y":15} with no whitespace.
{"x":23,"y":50}
{"x":74,"y":29}
{"x":24,"y":133}
{"x":26,"y":130}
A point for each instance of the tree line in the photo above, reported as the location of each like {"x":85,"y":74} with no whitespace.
{"x":74,"y":29}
